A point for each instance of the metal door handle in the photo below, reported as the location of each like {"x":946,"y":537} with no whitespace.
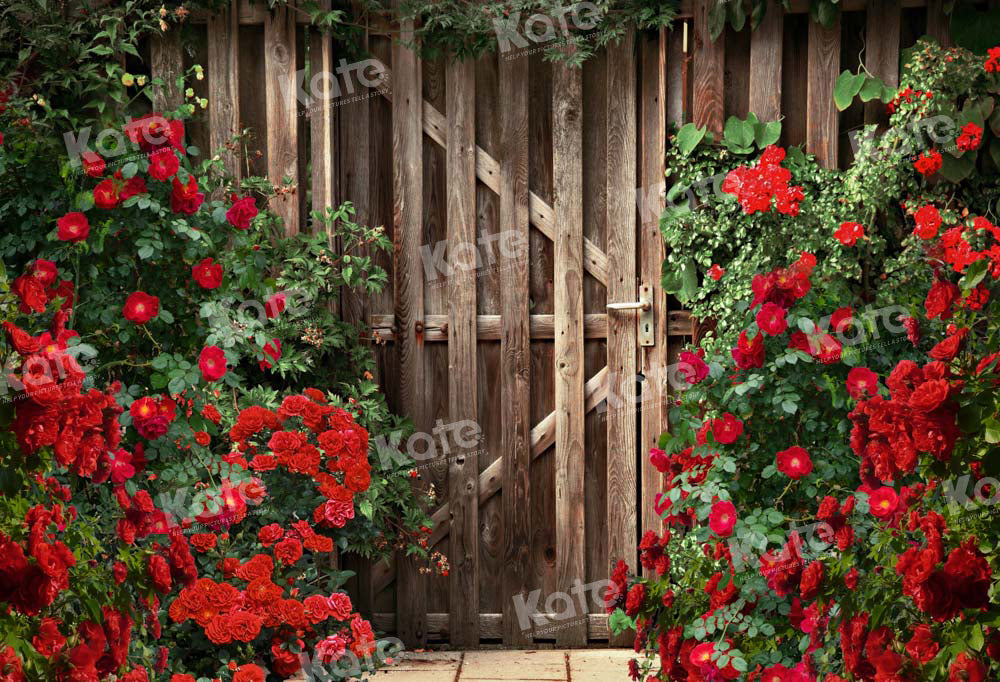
{"x":632,"y":305}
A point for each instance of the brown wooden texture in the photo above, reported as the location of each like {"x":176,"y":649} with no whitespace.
{"x":652,"y":359}
{"x":622,"y":365}
{"x":515,"y":340}
{"x":167,"y":63}
{"x":765,"y":65}
{"x":882,"y":51}
{"x":821,"y":112}
{"x":568,"y":295}
{"x":224,"y":79}
{"x":463,"y":470}
{"x":407,"y":142}
{"x":322,"y":117}
{"x":280,"y":50}
{"x":709,"y":65}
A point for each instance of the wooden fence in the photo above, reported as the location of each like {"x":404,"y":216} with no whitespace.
{"x":568,"y":163}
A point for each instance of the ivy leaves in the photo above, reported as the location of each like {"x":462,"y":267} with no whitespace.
{"x":850,"y":85}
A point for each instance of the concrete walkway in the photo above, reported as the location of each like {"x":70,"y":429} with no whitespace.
{"x":577,"y":665}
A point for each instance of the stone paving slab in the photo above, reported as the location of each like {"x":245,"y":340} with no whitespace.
{"x":580,"y":665}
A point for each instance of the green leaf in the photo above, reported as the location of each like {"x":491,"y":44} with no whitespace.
{"x":737,"y":15}
{"x":976,"y":639}
{"x":689,"y":281}
{"x":848,"y":85}
{"x":176,"y":385}
{"x":716,"y":20}
{"x":738,"y":133}
{"x":767,"y":133}
{"x":992,"y":430}
{"x":873,"y":88}
{"x":688,"y":137}
{"x":954,"y":169}
{"x":975,"y":274}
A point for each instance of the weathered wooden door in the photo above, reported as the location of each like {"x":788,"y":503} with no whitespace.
{"x":526,"y":331}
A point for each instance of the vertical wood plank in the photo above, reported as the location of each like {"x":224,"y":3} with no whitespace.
{"x":322,"y":122}
{"x":354,"y":180}
{"x":463,"y":467}
{"x":167,"y":63}
{"x":224,"y":78}
{"x":882,"y":51}
{"x":937,"y":22}
{"x":765,"y":65}
{"x":253,"y":107}
{"x":282,"y":112}
{"x":709,"y":66}
{"x":622,"y":286}
{"x":515,"y":358}
{"x":821,"y":112}
{"x":653,"y":359}
{"x":567,"y":140}
{"x":407,"y":181}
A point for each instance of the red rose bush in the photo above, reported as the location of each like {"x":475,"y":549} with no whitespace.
{"x":831,"y":478}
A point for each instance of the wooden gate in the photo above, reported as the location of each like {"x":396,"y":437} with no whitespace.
{"x":522,"y":199}
{"x":504,"y":273}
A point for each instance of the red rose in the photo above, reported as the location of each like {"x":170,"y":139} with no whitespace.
{"x":722,"y":518}
{"x":106,"y":194}
{"x":794,"y":462}
{"x":203,"y":541}
{"x":207,"y":273}
{"x":272,"y":351}
{"x":212,"y":363}
{"x":851,"y":578}
{"x":849,"y":233}
{"x":861,"y":383}
{"x":633,"y":602}
{"x":883,"y":502}
{"x":948,"y":349}
{"x":23,"y":342}
{"x":73,"y":227}
{"x":218,"y":630}
{"x":241,"y":213}
{"x":716,"y":272}
{"x":270,"y":534}
{"x":245,"y":626}
{"x":929,"y":395}
{"x":940,"y":299}
{"x":922,"y":648}
{"x":249,"y":673}
{"x":966,"y":668}
{"x":928,"y":221}
{"x":275,"y":305}
{"x":749,"y":354}
{"x":30,"y":292}
{"x":163,"y":164}
{"x":133,"y":187}
{"x":140,"y":307}
{"x":771,"y":319}
{"x":812,"y":580}
{"x":727,"y":429}
{"x":185,"y":198}
{"x":159,"y":573}
{"x":288,"y":551}
{"x":93,"y":164}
